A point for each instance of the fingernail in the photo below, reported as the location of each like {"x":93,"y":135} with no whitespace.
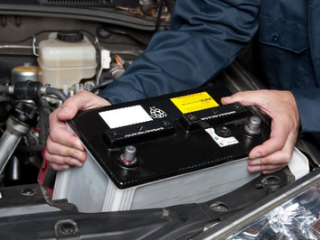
{"x":64,"y":110}
{"x":65,"y":167}
{"x":254,"y":168}
{"x":255,"y":156}
{"x":227,"y":100}
{"x":78,"y":144}
{"x":75,"y":162}
{"x":78,"y":155}
{"x":255,"y":162}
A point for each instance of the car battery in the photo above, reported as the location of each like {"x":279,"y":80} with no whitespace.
{"x":174,"y":149}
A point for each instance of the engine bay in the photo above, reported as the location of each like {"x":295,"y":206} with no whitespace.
{"x":38,"y":72}
{"x":50,"y":50}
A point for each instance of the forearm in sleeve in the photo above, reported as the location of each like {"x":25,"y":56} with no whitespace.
{"x":204,"y":38}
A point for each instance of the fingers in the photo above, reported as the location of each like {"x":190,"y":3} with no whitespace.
{"x":61,"y":162}
{"x":67,"y":154}
{"x":83,"y":100}
{"x":58,"y":167}
{"x":63,"y":148}
{"x":282,"y":138}
{"x":247,"y":98}
{"x":64,"y":157}
{"x":61,"y":136}
{"x":276,"y":152}
{"x":272,"y":162}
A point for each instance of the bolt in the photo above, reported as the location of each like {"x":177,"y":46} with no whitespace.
{"x":28,"y":192}
{"x":191,"y":117}
{"x":67,"y":228}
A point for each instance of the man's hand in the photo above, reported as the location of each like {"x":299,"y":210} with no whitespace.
{"x":275,"y":153}
{"x":63,"y":147}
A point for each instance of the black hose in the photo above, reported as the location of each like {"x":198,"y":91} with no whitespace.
{"x":57,"y":93}
{"x":101,"y":85}
{"x":5,"y":98}
{"x":122,"y":32}
{"x":30,"y":148}
{"x":158,"y":21}
{"x":43,"y":122}
{"x":4,"y":89}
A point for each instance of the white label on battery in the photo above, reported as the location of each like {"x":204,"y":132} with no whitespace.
{"x":221,"y":141}
{"x":125,"y":116}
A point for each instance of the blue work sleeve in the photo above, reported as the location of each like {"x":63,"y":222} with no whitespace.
{"x":308,"y":105}
{"x":204,"y":38}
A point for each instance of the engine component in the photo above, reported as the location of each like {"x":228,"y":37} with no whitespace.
{"x":65,"y":58}
{"x":92,"y":3}
{"x":21,"y":119}
{"x":189,"y":148}
{"x":31,"y":90}
{"x":27,"y":72}
{"x":116,"y":70}
{"x":13,"y":171}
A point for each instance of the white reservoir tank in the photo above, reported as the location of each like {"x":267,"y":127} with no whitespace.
{"x":65,"y":58}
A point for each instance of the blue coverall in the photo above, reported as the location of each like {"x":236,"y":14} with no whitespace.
{"x":207,"y":35}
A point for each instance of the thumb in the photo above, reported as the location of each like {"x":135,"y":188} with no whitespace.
{"x":66,"y":113}
{"x":72,"y":105}
{"x":227,"y":100}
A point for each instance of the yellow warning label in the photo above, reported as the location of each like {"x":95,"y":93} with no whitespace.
{"x":194,"y":102}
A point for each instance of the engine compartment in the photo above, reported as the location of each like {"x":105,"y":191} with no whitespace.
{"x":24,"y":87}
{"x":26,"y":102}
